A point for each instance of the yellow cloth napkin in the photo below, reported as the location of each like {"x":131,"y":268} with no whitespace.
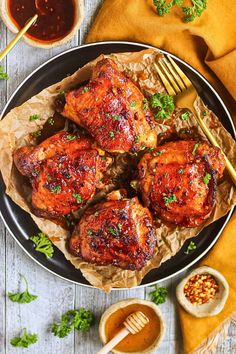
{"x":209,"y":45}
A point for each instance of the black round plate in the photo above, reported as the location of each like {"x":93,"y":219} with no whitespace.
{"x":20,"y":224}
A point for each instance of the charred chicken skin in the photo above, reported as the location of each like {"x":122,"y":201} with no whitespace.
{"x":116,"y":232}
{"x":178,"y":181}
{"x":111,"y":107}
{"x":64,"y":171}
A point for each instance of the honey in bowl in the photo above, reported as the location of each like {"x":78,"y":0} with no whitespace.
{"x":146,"y":340}
{"x":55,"y":18}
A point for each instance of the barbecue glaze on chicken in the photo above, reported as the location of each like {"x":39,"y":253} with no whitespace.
{"x":178,"y":181}
{"x":112,"y":108}
{"x":117,"y":232}
{"x":64,"y":171}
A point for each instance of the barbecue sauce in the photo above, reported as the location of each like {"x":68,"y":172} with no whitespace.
{"x":55,"y":18}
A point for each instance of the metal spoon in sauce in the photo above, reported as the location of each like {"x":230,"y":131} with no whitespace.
{"x":28,"y":24}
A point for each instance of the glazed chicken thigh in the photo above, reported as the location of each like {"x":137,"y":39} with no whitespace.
{"x":64,"y":171}
{"x":112,"y":108}
{"x":178,"y":181}
{"x":117,"y":232}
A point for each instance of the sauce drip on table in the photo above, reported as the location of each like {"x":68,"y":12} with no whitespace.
{"x":55,"y":21}
{"x":133,"y":342}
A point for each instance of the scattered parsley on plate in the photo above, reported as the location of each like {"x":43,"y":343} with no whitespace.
{"x":206,"y":178}
{"x":3,"y":74}
{"x":24,"y":296}
{"x":167,"y":200}
{"x":191,"y":247}
{"x":163,"y":104}
{"x":43,"y":244}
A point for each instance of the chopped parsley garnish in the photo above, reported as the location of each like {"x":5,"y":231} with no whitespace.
{"x":145,"y":104}
{"x":157,"y":153}
{"x":113,"y":231}
{"x":191,"y":247}
{"x":3,"y":74}
{"x":107,"y":115}
{"x":119,"y":226}
{"x":204,"y":113}
{"x":170,"y":199}
{"x":111,"y":134}
{"x":116,"y":117}
{"x":137,"y":139}
{"x":24,"y":296}
{"x":77,"y":197}
{"x":195,"y":148}
{"x":80,"y":320}
{"x":55,"y":189}
{"x":164,"y":105}
{"x":190,"y":12}
{"x":34,"y":117}
{"x":24,"y":341}
{"x":185,"y":116}
{"x":133,"y":104}
{"x":206,"y":178}
{"x":43,"y":244}
{"x":181,"y":171}
{"x":36,"y":134}
{"x":51,"y":121}
{"x":103,"y":157}
{"x":61,"y":94}
{"x":158,"y":296}
{"x":70,"y":137}
{"x":85,"y":89}
{"x":190,"y":182}
{"x":90,"y":232}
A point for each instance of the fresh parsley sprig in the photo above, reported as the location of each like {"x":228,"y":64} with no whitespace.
{"x":164,"y":7}
{"x":24,"y":296}
{"x":80,"y":320}
{"x":163,"y":104}
{"x":43,"y":244}
{"x":158,"y":295}
{"x":191,"y":247}
{"x":24,"y":341}
{"x":3,"y":74}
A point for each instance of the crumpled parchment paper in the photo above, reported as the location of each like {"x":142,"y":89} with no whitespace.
{"x":15,"y":131}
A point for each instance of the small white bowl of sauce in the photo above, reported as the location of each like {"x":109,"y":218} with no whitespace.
{"x":147,"y":340}
{"x":58,"y":20}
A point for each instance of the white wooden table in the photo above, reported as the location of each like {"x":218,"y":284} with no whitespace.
{"x":56,"y":296}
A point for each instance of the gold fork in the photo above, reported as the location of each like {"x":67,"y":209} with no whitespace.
{"x":177,"y":84}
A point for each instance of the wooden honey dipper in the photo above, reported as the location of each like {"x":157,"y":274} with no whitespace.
{"x":133,"y":324}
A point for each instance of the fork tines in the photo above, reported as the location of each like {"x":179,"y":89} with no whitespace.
{"x":172,"y":77}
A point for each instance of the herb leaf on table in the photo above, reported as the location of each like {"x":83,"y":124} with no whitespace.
{"x":24,"y":296}
{"x":24,"y":341}
{"x":80,"y":320}
{"x":158,"y":295}
{"x":3,"y":75}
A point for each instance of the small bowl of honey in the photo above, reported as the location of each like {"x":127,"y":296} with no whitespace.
{"x":58,"y":20}
{"x":147,"y":340}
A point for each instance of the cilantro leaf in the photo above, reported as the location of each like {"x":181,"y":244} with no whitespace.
{"x":43,"y":244}
{"x":158,"y":296}
{"x":191,"y":247}
{"x":24,"y":296}
{"x":195,"y":148}
{"x":3,"y":75}
{"x":80,"y":320}
{"x":24,"y":341}
{"x":164,"y":104}
{"x":85,"y":89}
{"x":185,"y":116}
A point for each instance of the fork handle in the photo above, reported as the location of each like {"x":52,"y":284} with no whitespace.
{"x":230,"y":168}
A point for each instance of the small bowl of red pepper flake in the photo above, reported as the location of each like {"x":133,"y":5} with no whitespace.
{"x":203,"y":292}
